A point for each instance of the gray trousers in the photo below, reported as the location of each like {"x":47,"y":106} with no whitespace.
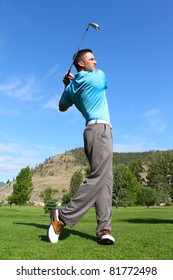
{"x":97,"y":187}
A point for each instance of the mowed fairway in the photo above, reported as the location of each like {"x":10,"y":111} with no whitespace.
{"x":141,"y":234}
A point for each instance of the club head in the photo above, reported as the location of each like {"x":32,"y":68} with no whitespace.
{"x":94,"y":25}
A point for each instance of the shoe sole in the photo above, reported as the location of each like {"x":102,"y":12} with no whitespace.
{"x":106,"y":240}
{"x":52,"y":236}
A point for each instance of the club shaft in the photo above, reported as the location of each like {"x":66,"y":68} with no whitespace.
{"x":78,"y":50}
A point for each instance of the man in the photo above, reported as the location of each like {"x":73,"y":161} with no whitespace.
{"x":86,"y":90}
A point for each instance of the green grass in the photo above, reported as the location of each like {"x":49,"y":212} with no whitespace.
{"x":141,"y":234}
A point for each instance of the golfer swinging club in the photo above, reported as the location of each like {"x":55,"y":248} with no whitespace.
{"x":86,"y":90}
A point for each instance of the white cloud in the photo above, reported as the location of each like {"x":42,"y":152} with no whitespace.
{"x":15,"y":155}
{"x":52,"y":103}
{"x":10,"y":165}
{"x":155,"y":120}
{"x":50,"y":72}
{"x":132,"y":147}
{"x":26,"y":89}
{"x":152,"y":112}
{"x":9,"y":147}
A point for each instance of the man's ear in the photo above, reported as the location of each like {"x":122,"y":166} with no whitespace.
{"x":81,"y":63}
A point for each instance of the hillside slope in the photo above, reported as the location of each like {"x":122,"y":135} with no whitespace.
{"x":55,"y":172}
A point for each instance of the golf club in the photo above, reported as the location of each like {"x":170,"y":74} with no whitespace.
{"x":96,"y":27}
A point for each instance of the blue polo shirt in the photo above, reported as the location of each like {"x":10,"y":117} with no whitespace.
{"x":87,"y":92}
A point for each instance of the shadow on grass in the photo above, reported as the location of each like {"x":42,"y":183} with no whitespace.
{"x":148,"y":221}
{"x":65,"y":233}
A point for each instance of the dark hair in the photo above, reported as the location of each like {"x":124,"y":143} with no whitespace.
{"x":79,"y":56}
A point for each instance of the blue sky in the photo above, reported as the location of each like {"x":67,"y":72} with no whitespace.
{"x":38,"y":38}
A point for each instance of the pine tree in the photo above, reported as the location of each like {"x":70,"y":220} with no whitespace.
{"x":75,"y":182}
{"x":49,"y":200}
{"x":22,"y":188}
{"x":136,"y":167}
{"x":125,"y":186}
{"x":160,"y":175}
{"x":147,"y":196}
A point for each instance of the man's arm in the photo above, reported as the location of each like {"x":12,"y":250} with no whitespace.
{"x":66,"y":82}
{"x":62,"y":107}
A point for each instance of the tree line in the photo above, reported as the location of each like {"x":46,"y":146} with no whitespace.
{"x":144,"y":179}
{"x":140,"y":181}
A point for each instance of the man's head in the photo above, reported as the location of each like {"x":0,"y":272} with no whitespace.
{"x":85,"y":60}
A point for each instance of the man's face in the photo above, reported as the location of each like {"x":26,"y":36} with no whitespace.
{"x":89,"y":62}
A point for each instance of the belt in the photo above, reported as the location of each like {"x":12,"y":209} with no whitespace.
{"x":99,"y":121}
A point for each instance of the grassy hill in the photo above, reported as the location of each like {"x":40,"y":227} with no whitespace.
{"x":55,"y":172}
